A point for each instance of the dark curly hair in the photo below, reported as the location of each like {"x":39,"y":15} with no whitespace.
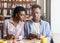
{"x":17,"y":10}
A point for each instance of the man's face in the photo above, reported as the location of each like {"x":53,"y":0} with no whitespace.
{"x":21,"y":15}
{"x":36,"y":12}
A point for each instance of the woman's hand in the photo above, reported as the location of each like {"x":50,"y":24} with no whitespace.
{"x":16,"y":41}
{"x":10,"y":36}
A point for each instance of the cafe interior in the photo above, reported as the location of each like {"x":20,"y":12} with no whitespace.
{"x":6,"y":12}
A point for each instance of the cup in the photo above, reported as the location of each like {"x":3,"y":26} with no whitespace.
{"x":3,"y":41}
{"x":43,"y":39}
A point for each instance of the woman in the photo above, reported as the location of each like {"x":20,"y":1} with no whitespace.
{"x":15,"y":26}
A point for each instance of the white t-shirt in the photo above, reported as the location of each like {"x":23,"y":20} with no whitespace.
{"x":35,"y":28}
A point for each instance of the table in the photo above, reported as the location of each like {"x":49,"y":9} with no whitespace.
{"x":25,"y":41}
{"x":31,"y":41}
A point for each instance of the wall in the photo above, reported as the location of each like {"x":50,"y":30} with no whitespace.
{"x":55,"y":16}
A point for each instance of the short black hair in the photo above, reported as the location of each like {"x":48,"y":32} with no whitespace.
{"x":17,"y":10}
{"x":35,"y":6}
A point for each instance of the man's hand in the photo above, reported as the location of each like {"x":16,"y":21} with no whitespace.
{"x":38,"y":36}
{"x":32,"y":36}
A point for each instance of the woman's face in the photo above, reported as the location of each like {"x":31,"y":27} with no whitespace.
{"x":21,"y":15}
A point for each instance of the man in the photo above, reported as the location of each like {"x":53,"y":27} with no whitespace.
{"x":37,"y":27}
{"x":14,"y":27}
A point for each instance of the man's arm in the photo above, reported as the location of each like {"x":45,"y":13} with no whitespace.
{"x":26,"y":27}
{"x":48,"y":31}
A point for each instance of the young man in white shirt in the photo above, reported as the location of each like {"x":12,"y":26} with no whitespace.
{"x":14,"y":27}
